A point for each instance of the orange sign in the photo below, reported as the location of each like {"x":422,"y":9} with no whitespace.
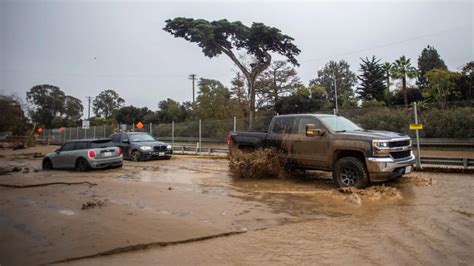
{"x":40,"y":130}
{"x":139,"y":125}
{"x":61,"y":129}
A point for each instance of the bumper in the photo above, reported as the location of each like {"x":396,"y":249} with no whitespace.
{"x":382,"y":169}
{"x":156,"y":154}
{"x":103,"y":163}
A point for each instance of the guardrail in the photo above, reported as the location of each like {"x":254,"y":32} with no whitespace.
{"x":465,"y":163}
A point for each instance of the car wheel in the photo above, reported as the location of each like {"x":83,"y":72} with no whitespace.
{"x":82,"y":165}
{"x":136,"y":156}
{"x":47,"y":164}
{"x":350,"y":172}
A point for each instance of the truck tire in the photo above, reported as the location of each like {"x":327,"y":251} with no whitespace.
{"x":350,"y":172}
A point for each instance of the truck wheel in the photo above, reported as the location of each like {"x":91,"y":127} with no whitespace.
{"x":350,"y":172}
{"x":136,"y":156}
{"x":82,"y":165}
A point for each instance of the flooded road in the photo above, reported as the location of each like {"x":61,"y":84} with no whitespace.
{"x":193,"y":211}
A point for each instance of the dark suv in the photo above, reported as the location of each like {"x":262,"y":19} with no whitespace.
{"x":139,"y":146}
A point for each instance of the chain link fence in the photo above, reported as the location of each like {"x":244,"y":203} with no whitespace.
{"x":453,"y":123}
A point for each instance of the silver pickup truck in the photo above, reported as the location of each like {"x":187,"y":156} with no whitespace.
{"x":84,"y":155}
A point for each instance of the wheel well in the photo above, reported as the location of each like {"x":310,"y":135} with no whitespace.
{"x":348,"y":153}
{"x":80,"y":158}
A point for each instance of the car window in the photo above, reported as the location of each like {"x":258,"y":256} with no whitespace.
{"x":303,"y":121}
{"x":116,"y":137}
{"x":283,"y":125}
{"x":101,"y":144}
{"x":68,"y":146}
{"x":124,"y":138}
{"x":81,"y":145}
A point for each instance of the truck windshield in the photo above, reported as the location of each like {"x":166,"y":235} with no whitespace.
{"x":339,"y":124}
{"x":141,"y":138}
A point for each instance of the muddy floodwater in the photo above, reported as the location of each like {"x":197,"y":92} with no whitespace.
{"x":193,"y":211}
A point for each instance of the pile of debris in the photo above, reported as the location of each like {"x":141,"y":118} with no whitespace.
{"x":14,"y":142}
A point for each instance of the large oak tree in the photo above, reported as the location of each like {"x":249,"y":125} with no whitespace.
{"x":222,"y":36}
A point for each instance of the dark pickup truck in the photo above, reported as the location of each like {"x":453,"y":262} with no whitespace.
{"x":333,"y":143}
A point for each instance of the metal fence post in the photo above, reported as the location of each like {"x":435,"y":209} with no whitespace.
{"x":77,"y":132}
{"x":85,"y":133}
{"x":172,"y":134}
{"x":105,"y":131}
{"x":151,"y":127}
{"x":200,"y":144}
{"x":418,"y":159}
{"x":70,"y":133}
{"x":235,"y":124}
{"x":94,"y":132}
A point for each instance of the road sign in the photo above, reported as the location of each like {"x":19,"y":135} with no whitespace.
{"x":40,"y":130}
{"x":416,"y":126}
{"x":139,"y":125}
{"x":86,"y":124}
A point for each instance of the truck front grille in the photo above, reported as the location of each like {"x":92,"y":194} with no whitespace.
{"x":399,"y":143}
{"x":400,"y":154}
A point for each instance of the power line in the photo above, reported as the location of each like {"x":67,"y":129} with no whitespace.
{"x":383,"y":45}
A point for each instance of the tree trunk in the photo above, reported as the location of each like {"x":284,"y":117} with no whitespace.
{"x":251,"y":85}
{"x":405,"y":94}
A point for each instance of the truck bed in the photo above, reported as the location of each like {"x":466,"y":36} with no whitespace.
{"x":248,"y":139}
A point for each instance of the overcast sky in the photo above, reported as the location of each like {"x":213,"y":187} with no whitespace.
{"x":86,"y":47}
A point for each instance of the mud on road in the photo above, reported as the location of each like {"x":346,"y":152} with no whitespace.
{"x":193,"y":211}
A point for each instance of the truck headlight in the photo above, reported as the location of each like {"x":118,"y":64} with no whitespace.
{"x":168,"y":147}
{"x":146,"y":148}
{"x":380,"y":148}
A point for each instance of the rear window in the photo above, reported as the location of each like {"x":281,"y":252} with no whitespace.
{"x":116,"y":138}
{"x":284,"y":125}
{"x":102,"y":144}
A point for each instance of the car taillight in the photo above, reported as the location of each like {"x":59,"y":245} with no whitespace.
{"x":120,"y":151}
{"x":91,"y":154}
{"x":228,"y":138}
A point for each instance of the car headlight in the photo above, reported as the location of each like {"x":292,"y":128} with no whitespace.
{"x":146,"y":148}
{"x":380,"y":148}
{"x":168,"y":147}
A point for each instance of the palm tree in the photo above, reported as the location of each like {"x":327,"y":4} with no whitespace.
{"x":402,"y":69}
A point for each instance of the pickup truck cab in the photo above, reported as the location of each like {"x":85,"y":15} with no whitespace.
{"x":333,"y":143}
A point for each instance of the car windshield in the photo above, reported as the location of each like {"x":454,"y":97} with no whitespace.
{"x":141,"y":138}
{"x":339,"y":124}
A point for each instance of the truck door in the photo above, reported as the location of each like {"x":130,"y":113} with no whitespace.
{"x":310,"y":151}
{"x":281,"y":135}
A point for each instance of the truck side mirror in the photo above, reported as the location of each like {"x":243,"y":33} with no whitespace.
{"x":312,"y":131}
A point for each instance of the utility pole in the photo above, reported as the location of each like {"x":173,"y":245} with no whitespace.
{"x":89,"y":98}
{"x":335,"y":93}
{"x":193,"y":78}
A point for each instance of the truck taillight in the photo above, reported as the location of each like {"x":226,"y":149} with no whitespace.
{"x":120,"y":151}
{"x":228,"y":138}
{"x":91,"y":154}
